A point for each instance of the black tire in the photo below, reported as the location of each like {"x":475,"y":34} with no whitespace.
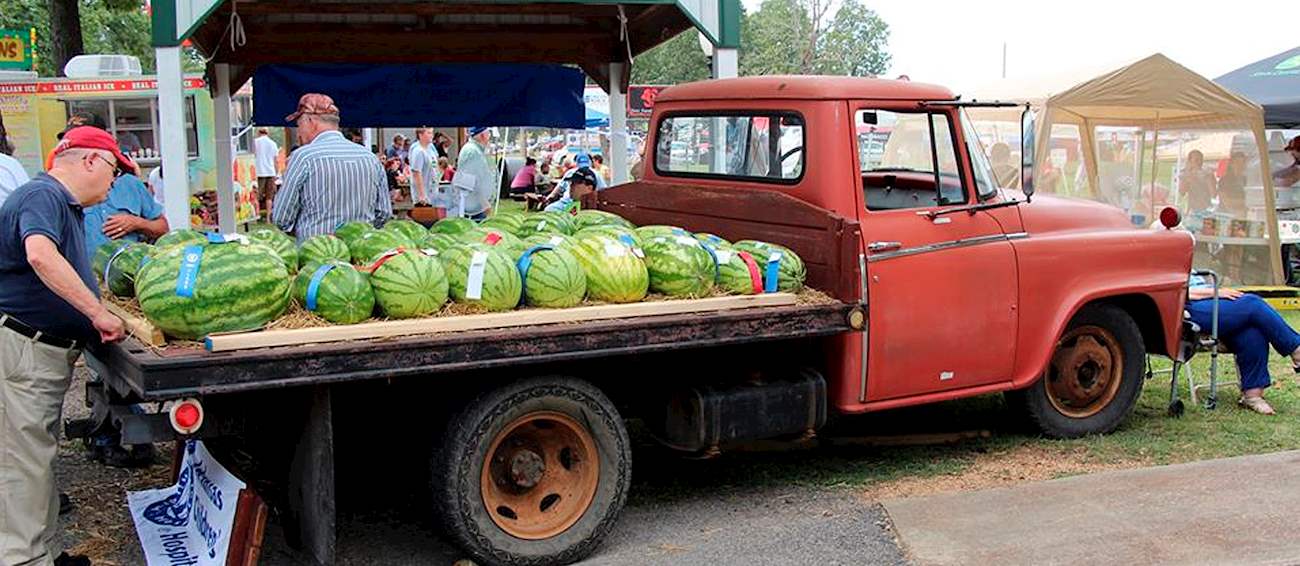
{"x":458,"y":465}
{"x":1046,"y":414}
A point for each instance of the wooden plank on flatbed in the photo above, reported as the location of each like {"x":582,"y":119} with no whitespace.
{"x":394,"y":328}
{"x":138,"y":327}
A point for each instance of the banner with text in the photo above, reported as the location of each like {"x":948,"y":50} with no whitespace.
{"x":188,"y":524}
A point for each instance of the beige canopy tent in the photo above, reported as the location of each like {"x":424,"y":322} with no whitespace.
{"x":1154,"y":134}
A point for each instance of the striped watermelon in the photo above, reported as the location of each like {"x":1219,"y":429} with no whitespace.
{"x":439,"y":241}
{"x":254,"y":226}
{"x":283,"y":244}
{"x":452,"y":225}
{"x":121,"y":268}
{"x":322,"y":248}
{"x":370,"y":244}
{"x":412,"y":230}
{"x":546,"y":223}
{"x":409,"y":284}
{"x":556,"y":240}
{"x":554,"y":278}
{"x":511,"y":222}
{"x":343,"y":295}
{"x":238,"y":287}
{"x":512,"y":245}
{"x":735,"y":275}
{"x":645,"y":232}
{"x":614,"y":272}
{"x":182,"y":237}
{"x":103,"y":253}
{"x":711,"y":239}
{"x":588,"y":218}
{"x":350,"y":231}
{"x":501,"y":285}
{"x":611,"y":231}
{"x":679,"y":266}
{"x":791,"y":270}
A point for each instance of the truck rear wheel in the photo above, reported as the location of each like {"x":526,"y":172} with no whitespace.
{"x":1094,"y":378}
{"x":535,"y":472}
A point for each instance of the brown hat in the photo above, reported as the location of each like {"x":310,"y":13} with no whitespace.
{"x":313,"y":103}
{"x":1294,"y":144}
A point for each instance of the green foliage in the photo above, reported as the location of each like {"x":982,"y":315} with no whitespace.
{"x":678,"y":60}
{"x":855,"y":43}
{"x":107,"y":27}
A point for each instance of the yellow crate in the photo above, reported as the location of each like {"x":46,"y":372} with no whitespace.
{"x":1282,"y":298}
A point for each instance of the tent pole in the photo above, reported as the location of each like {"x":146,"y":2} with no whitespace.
{"x":225,"y":170}
{"x":617,"y":157}
{"x":1155,"y":155}
{"x":1270,"y":205}
{"x":171,"y":126}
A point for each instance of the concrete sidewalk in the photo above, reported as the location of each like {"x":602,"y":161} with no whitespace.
{"x":1231,"y":511}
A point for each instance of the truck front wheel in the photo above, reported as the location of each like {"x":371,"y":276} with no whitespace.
{"x":1094,"y":378}
{"x":535,"y":472}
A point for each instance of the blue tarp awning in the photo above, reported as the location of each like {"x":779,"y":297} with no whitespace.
{"x":1273,"y":83}
{"x":445,"y":95}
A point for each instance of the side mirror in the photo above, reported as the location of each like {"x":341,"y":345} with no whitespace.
{"x":1027,"y":145}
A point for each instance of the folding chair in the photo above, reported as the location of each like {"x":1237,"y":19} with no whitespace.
{"x":1194,"y":339}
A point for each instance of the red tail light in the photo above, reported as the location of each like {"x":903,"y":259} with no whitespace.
{"x":1170,"y":218}
{"x":186,"y":416}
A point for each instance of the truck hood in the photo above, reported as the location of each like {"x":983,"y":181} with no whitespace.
{"x":1048,"y":213}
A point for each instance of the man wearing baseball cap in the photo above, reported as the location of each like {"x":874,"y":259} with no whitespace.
{"x":472,"y":163}
{"x":49,"y":311}
{"x":329,"y":179}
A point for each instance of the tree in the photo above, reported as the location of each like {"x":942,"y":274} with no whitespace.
{"x":856,"y":43}
{"x":678,"y":60}
{"x":102,"y":26}
{"x":65,"y":28}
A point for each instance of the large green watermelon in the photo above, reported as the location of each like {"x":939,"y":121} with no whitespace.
{"x":322,"y":248}
{"x":711,"y":239}
{"x":438,"y":241}
{"x":122,"y":267}
{"x":254,"y":226}
{"x":103,"y":253}
{"x":588,"y":218}
{"x":679,"y":266}
{"x":409,"y":284}
{"x":556,"y":240}
{"x":546,"y":223}
{"x":452,"y":225}
{"x":552,"y":277}
{"x":282,"y":243}
{"x":791,"y":271}
{"x":614,"y":271}
{"x":511,"y":222}
{"x":612,"y":231}
{"x":501,"y":285}
{"x":646,"y":232}
{"x":370,"y":244}
{"x":735,"y":275}
{"x":237,"y":287}
{"x":182,"y":237}
{"x":412,"y":230}
{"x":511,"y":244}
{"x":350,"y":231}
{"x":343,"y":294}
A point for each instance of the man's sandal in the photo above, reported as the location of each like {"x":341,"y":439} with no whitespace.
{"x":1257,"y":404}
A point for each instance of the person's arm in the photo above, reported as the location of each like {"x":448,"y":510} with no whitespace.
{"x":57,"y":274}
{"x":284,"y":210}
{"x":1200,"y":293}
{"x":383,"y":203}
{"x":120,"y":225}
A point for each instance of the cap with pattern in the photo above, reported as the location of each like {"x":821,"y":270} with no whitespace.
{"x":313,"y":103}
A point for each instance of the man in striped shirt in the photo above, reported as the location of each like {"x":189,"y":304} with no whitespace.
{"x":329,"y":179}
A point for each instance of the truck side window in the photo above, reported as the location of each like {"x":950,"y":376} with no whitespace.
{"x":764,"y":146}
{"x":981,"y":169}
{"x":908,"y":160}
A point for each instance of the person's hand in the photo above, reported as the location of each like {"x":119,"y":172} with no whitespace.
{"x":120,"y":225}
{"x":1230,"y":294}
{"x":1200,"y":293}
{"x":110,"y":327}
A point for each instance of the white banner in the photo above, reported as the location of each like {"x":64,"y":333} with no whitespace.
{"x":188,"y":524}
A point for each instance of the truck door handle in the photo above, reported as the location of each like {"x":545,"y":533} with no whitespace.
{"x":884,"y":246}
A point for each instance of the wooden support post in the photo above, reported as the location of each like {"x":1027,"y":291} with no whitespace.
{"x":311,"y":522}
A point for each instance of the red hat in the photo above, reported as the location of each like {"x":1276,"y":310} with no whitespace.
{"x":313,"y":103}
{"x":90,"y":137}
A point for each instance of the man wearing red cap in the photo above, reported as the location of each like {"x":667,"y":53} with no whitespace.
{"x":49,"y":311}
{"x":329,"y":180}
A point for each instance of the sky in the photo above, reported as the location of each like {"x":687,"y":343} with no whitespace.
{"x":959,"y":44}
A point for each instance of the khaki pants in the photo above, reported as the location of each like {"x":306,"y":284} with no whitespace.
{"x":33,"y":379}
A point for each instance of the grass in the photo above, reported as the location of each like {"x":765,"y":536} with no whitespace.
{"x":1147,"y":438}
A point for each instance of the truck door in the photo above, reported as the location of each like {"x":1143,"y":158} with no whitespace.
{"x":941,"y":287}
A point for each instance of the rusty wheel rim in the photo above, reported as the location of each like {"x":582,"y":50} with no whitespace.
{"x":1086,"y":372}
{"x":540,"y":475}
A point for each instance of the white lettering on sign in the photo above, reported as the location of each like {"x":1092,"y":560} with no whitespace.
{"x":188,"y":524}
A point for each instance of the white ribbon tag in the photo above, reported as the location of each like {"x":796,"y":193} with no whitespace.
{"x":774,"y":256}
{"x":615,"y":250}
{"x":687,"y":241}
{"x":556,"y":240}
{"x":724,"y":256}
{"x":474,"y":283}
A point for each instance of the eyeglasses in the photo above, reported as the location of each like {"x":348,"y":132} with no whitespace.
{"x":116,"y":172}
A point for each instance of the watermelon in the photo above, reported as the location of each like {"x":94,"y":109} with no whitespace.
{"x":370,"y":244}
{"x":283,"y":244}
{"x":711,"y":239}
{"x":679,"y":266}
{"x":255,"y":226}
{"x":343,"y":295}
{"x":322,"y":248}
{"x":546,"y":223}
{"x":452,"y":225}
{"x":588,"y":218}
{"x":791,"y":271}
{"x":121,"y":268}
{"x":182,"y":237}
{"x":102,"y":255}
{"x":645,"y":232}
{"x":512,"y":245}
{"x":553,"y":278}
{"x":735,"y":275}
{"x":409,"y":284}
{"x":238,"y":286}
{"x":556,"y":240}
{"x":501,"y":285}
{"x":412,"y":230}
{"x":511,"y":222}
{"x":350,"y":231}
{"x":614,"y":271}
{"x":609,"y":230}
{"x":438,"y":241}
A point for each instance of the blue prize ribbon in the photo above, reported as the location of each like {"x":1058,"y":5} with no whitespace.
{"x":313,"y":287}
{"x":525,"y":262}
{"x":713,"y":239}
{"x":773,"y":272}
{"x":191,"y":256}
{"x":627,"y":240}
{"x":717,"y":268}
{"x":215,"y":238}
{"x":680,"y":232}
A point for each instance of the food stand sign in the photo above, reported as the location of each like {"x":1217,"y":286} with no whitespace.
{"x":16,"y":49}
{"x":641,"y":100}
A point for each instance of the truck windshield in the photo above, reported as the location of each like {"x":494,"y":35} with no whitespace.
{"x":904,"y":155}
{"x":756,"y":146}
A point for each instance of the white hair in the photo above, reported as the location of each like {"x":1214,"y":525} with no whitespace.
{"x":81,"y":153}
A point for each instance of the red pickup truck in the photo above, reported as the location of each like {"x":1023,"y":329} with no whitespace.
{"x":940,"y":285}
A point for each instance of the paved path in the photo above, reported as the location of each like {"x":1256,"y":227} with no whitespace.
{"x":1230,"y":511}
